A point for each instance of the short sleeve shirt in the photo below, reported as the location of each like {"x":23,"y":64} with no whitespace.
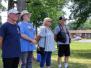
{"x":11,"y":40}
{"x":27,"y":29}
{"x":57,"y":29}
{"x":48,"y":43}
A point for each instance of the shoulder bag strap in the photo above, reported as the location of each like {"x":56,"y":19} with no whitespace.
{"x":45,"y":39}
{"x":61,"y":28}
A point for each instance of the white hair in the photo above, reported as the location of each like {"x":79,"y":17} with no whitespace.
{"x":46,"y":19}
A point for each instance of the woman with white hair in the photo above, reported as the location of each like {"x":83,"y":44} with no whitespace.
{"x":45,"y":40}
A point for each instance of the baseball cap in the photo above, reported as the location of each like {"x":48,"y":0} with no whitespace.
{"x":62,"y":18}
{"x":13,"y":11}
{"x":25,"y":12}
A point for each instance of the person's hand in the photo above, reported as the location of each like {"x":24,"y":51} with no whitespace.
{"x":24,"y":36}
{"x":28,"y":39}
{"x":34,"y":41}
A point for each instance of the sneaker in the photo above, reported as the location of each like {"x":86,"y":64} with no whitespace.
{"x":66,"y":65}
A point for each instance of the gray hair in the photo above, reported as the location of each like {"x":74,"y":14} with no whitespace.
{"x":46,"y":19}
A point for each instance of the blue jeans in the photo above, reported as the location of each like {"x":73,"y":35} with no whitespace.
{"x":46,"y":58}
{"x":26,"y":59}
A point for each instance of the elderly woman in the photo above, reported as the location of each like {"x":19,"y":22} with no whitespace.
{"x":46,"y":39}
{"x":27,"y":39}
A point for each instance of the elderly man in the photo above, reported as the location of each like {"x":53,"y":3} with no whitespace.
{"x":62,"y":38}
{"x":10,"y":40}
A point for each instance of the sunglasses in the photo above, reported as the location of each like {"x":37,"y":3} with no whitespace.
{"x":49,"y":21}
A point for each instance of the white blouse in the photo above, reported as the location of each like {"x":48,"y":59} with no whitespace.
{"x":49,"y":42}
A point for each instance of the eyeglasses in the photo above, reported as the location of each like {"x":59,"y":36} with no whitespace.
{"x":49,"y":21}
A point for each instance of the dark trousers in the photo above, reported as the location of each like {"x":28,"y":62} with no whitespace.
{"x":46,"y":58}
{"x":10,"y":62}
{"x":63,"y":50}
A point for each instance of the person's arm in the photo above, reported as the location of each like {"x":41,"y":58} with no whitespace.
{"x":56,"y":30}
{"x":1,"y":41}
{"x":41,"y":33}
{"x":23,"y":33}
{"x":69,"y":37}
{"x":2,"y":34}
{"x":27,"y":38}
{"x":68,"y":34}
{"x":37,"y":38}
{"x":55,"y":37}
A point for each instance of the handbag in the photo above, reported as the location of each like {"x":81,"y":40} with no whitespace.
{"x":41,"y":50}
{"x":61,"y":36}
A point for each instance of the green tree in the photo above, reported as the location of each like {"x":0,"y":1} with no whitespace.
{"x":2,"y":7}
{"x":84,"y":26}
{"x":81,"y":11}
{"x":44,"y":8}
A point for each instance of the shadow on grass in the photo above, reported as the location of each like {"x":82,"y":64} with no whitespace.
{"x":86,"y":54}
{"x":55,"y":65}
{"x":71,"y":65}
{"x":1,"y":64}
{"x":77,"y":65}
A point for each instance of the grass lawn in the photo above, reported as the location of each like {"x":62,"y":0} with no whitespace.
{"x":80,"y":56}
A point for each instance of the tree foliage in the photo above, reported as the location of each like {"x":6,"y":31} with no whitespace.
{"x":44,"y":8}
{"x":2,"y":7}
{"x":81,"y":11}
{"x":84,"y":26}
{"x":41,"y":9}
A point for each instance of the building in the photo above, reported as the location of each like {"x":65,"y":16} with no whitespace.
{"x":81,"y":33}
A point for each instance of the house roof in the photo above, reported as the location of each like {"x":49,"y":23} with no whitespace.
{"x":80,"y":31}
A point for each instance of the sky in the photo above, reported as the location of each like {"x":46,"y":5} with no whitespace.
{"x":5,"y":4}
{"x":67,"y":11}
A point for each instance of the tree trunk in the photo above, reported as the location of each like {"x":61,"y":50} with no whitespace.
{"x":10,"y":4}
{"x":21,"y":5}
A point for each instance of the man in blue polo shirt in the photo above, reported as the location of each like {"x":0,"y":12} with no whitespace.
{"x":10,"y":40}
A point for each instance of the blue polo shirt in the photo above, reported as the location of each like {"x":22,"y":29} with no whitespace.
{"x":27,"y":29}
{"x":11,"y":40}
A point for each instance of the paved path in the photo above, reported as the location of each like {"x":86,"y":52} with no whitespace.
{"x":88,"y":40}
